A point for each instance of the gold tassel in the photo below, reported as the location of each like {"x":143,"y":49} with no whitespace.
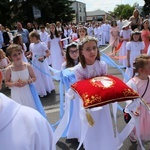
{"x":89,"y":118}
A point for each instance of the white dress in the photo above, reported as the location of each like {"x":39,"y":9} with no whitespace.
{"x":101,"y":35}
{"x":4,"y":64}
{"x":73,"y":36}
{"x":22,"y":95}
{"x":107,"y":32}
{"x":24,"y":58}
{"x":96,"y":33}
{"x":65,"y":42}
{"x":74,"y":129}
{"x":100,"y":135}
{"x":135,"y":50}
{"x":56,"y":55}
{"x":23,"y":128}
{"x":44,"y":82}
{"x":43,"y":36}
{"x":123,"y":51}
{"x":90,"y":31}
{"x":148,"y":51}
{"x":63,"y":66}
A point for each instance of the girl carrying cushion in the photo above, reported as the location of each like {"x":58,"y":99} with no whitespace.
{"x":101,"y":133}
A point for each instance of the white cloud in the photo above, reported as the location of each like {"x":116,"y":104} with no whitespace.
{"x":107,"y":5}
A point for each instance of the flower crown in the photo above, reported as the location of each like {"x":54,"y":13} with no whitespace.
{"x":136,"y":31}
{"x":16,"y":35}
{"x":82,"y":27}
{"x":72,"y":43}
{"x":87,"y":39}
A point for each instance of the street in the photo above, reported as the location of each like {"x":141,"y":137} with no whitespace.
{"x":51,"y":106}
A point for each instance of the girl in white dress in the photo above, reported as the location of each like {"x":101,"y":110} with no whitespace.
{"x":134,"y":49}
{"x":39,"y":52}
{"x":72,"y":59}
{"x":74,"y":35}
{"x":124,"y":37}
{"x":4,"y":62}
{"x":18,"y":77}
{"x":72,"y":56}
{"x":18,"y":40}
{"x":100,"y":135}
{"x":55,"y":46}
{"x":82,"y":33}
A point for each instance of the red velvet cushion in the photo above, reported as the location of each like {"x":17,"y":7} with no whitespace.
{"x":102,"y":90}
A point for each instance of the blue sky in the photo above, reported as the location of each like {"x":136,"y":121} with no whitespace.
{"x":108,"y":5}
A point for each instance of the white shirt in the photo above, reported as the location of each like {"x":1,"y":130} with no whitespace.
{"x":23,"y":128}
{"x":120,"y":24}
{"x":43,"y":36}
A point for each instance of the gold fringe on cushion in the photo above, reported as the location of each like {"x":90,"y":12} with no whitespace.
{"x":89,"y":118}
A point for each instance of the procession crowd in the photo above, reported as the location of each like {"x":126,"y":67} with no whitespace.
{"x":27,"y":56}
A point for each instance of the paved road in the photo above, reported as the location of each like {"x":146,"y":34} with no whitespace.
{"x":51,"y":106}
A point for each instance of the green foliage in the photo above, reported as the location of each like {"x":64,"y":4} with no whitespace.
{"x":60,"y":11}
{"x":4,"y":9}
{"x":21,"y":10}
{"x":123,"y":10}
{"x":146,"y":8}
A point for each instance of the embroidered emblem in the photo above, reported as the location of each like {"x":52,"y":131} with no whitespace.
{"x":104,"y":82}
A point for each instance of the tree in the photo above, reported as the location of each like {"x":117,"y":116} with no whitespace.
{"x":123,"y":10}
{"x":22,"y":10}
{"x":146,"y":8}
{"x":4,"y":9}
{"x":61,"y":11}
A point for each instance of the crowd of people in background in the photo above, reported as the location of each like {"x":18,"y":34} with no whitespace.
{"x":99,"y":29}
{"x":56,"y":45}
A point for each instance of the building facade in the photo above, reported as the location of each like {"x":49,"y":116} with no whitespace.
{"x":80,"y":11}
{"x":97,"y":15}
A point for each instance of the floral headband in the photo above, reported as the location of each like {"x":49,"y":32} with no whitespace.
{"x":87,"y":39}
{"x":71,"y":44}
{"x":136,"y":31}
{"x":17,"y":35}
{"x":145,"y":21}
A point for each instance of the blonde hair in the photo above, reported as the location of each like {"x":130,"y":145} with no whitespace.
{"x":34,"y":34}
{"x":136,"y":10}
{"x":140,"y":62}
{"x":13,"y":47}
{"x":2,"y":52}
